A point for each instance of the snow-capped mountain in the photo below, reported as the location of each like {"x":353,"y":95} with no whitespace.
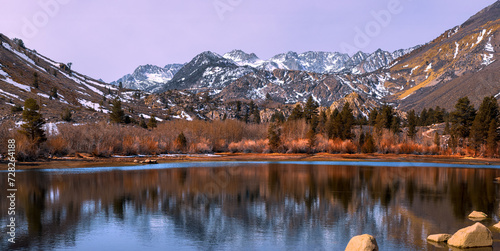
{"x":241,"y":58}
{"x":207,"y":70}
{"x":228,"y":80}
{"x":154,"y":78}
{"x":149,"y":77}
{"x":319,"y":62}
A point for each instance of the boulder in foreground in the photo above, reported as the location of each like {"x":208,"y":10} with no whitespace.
{"x":476,"y":235}
{"x":478,"y":215}
{"x":439,"y":237}
{"x":363,"y":242}
{"x":497,"y":226}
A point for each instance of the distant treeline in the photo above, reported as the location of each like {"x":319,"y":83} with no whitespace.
{"x":308,"y":129}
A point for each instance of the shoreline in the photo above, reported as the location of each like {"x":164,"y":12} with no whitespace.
{"x":88,"y":161}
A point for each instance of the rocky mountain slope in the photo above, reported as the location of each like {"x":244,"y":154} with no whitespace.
{"x":156,"y":79}
{"x":148,"y":77}
{"x":24,"y":74}
{"x":463,"y":61}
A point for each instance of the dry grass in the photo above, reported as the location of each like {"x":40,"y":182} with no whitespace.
{"x":250,"y":146}
{"x":297,"y":146}
{"x":342,"y":146}
{"x":103,"y":139}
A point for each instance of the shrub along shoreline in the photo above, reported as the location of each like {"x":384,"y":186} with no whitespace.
{"x":464,"y":132}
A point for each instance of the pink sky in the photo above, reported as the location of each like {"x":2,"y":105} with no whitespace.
{"x":108,"y":39}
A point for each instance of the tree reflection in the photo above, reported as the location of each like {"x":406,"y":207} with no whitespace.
{"x":295,"y":202}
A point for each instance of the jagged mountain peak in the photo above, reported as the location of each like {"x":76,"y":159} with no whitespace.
{"x":241,"y":55}
{"x":242,"y":58}
{"x":141,"y":68}
{"x":148,"y":77}
{"x":208,"y":57}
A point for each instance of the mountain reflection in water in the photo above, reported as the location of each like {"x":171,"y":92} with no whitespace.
{"x":247,"y":206}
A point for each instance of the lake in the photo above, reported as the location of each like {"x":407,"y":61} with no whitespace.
{"x":247,"y":205}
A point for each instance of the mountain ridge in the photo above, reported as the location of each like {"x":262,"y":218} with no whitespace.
{"x":310,"y":61}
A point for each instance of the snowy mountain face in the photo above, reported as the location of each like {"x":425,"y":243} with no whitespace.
{"x":207,"y":71}
{"x":155,"y":79}
{"x":148,"y":77}
{"x":322,"y":62}
{"x":319,"y":62}
{"x":241,"y":58}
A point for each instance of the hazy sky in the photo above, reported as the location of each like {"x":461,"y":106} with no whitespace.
{"x":110,"y":38}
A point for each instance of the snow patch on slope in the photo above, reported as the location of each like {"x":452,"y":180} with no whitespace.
{"x":21,"y":55}
{"x":429,"y":67}
{"x":488,"y":47}
{"x":480,"y":37}
{"x":89,"y":104}
{"x":487,"y":59}
{"x":12,"y":82}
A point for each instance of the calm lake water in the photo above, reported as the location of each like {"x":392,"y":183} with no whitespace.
{"x":247,"y":205}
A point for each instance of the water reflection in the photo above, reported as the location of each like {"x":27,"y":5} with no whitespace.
{"x":248,"y":206}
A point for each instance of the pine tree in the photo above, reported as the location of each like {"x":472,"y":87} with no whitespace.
{"x":437,"y":139}
{"x":278,"y":117}
{"x":369,"y":145}
{"x":35,"y":80}
{"x":476,"y":133}
{"x":251,"y":107}
{"x":66,"y":115}
{"x":380,"y":123}
{"x":238,"y":110}
{"x":330,"y":124}
{"x":334,"y":126}
{"x":274,"y":136}
{"x":238,"y":106}
{"x":447,"y":128}
{"x":181,"y":141}
{"x":463,"y":116}
{"x":53,"y":93}
{"x":322,"y":121}
{"x":431,"y":117}
{"x":396,"y":125}
{"x":33,"y":122}
{"x":143,"y":124}
{"x":488,"y":111}
{"x":362,"y":138}
{"x":311,"y":139}
{"x":310,"y":109}
{"x":423,"y":118}
{"x":256,"y":116}
{"x":372,"y":117}
{"x":491,"y":142}
{"x":152,"y":122}
{"x":388,"y":115}
{"x":453,"y":140}
{"x":246,"y":117}
{"x":347,"y":122}
{"x":297,"y":113}
{"x":412,"y":124}
{"x":117,"y":114}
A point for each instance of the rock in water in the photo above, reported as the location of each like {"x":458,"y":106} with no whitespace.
{"x":438,"y":237}
{"x":476,"y":235}
{"x":478,"y":215}
{"x":363,"y":242}
{"x":497,"y":226}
